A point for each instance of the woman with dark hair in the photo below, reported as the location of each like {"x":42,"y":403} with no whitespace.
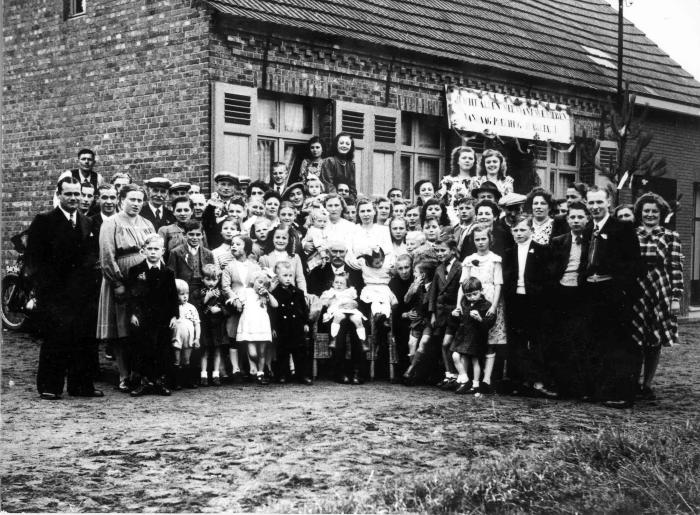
{"x":311,"y":166}
{"x":540,"y":203}
{"x":433,"y":208}
{"x":462,"y":169}
{"x":655,"y":311}
{"x":493,"y":169}
{"x":122,"y":237}
{"x":256,"y":189}
{"x":576,"y":192}
{"x":340,"y":167}
{"x":423,"y":190}
{"x":487,"y":214}
{"x":272,"y":201}
{"x":624,"y":213}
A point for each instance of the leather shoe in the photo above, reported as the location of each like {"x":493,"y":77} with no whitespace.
{"x":345,"y":380}
{"x":463,"y":388}
{"x":215,"y":381}
{"x":356,"y":379}
{"x":160,"y":389}
{"x":306,"y":380}
{"x":544,"y":392}
{"x":140,"y":390}
{"x":48,"y":396}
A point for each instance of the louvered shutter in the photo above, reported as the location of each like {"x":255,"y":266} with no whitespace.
{"x":377,"y":135}
{"x":234,"y":130}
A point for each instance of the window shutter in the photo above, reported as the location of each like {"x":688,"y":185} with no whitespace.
{"x":353,"y":122}
{"x":385,"y":129}
{"x":237,"y":109}
{"x":234,"y":132}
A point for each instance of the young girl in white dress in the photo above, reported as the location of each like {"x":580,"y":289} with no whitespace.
{"x":254,"y":328}
{"x":485,"y":265}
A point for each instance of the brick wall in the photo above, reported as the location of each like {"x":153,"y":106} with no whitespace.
{"x":127,"y":79}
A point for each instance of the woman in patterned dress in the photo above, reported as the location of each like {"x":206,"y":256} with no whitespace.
{"x":540,"y":203}
{"x":493,"y":169}
{"x":311,"y":166}
{"x":121,"y":239}
{"x":655,"y":311}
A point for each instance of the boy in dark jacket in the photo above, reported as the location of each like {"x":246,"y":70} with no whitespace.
{"x":290,"y":324}
{"x":152,"y":304}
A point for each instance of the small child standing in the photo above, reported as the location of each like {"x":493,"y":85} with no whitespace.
{"x":254,"y":328}
{"x":152,"y":303}
{"x":259,"y":233}
{"x":314,"y":188}
{"x":185,"y":336}
{"x":471,"y":339}
{"x":222,"y":253}
{"x":317,"y":235}
{"x":341,"y":301}
{"x":290,"y":324}
{"x":210,"y":302}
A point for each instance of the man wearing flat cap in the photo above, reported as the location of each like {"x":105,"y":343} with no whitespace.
{"x":227,"y":185}
{"x":178,"y":190}
{"x":155,"y":210}
{"x":487,"y":191}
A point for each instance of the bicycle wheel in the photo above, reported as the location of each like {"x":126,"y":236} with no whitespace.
{"x":14,"y":320}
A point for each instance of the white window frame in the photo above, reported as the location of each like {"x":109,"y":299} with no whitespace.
{"x":415,"y":152}
{"x":554,"y":163}
{"x":71,"y":8}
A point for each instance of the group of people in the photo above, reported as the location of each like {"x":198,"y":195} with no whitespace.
{"x":470,"y":285}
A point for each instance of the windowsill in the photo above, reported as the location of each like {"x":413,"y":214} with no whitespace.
{"x":74,"y":16}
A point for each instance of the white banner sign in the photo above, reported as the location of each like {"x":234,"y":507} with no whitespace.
{"x":472,"y":110}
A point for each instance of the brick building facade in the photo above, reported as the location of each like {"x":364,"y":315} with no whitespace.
{"x":184,"y":88}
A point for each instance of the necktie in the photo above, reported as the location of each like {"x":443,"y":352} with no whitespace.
{"x":578,"y":240}
{"x":72,"y":221}
{"x":158,"y":214}
{"x":593,"y":251}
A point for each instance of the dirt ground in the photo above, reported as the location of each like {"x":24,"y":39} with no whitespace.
{"x":276,"y":448}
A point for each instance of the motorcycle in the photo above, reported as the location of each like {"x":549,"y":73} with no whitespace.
{"x":18,"y":298}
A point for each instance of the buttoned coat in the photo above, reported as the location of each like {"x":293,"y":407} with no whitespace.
{"x":180,"y":262}
{"x":290,"y":316}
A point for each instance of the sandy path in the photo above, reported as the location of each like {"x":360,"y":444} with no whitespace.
{"x":246,"y":448}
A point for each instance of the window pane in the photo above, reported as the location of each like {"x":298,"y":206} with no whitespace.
{"x":428,"y":133}
{"x":553,"y":153}
{"x":267,"y":114}
{"x":569,"y":158}
{"x":382,"y":172}
{"x":293,"y":156}
{"x":235,"y":158}
{"x":428,"y":168}
{"x":405,"y":179}
{"x":559,"y":182}
{"x":265,"y":158}
{"x":406,"y":130}
{"x":296,"y":118}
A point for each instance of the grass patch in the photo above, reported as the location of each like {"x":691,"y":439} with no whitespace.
{"x":616,"y":470}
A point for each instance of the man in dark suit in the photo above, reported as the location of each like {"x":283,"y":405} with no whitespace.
{"x":155,"y":210}
{"x":58,"y":262}
{"x":525,"y":274}
{"x":227,"y":186}
{"x":567,"y":323}
{"x":320,"y":279}
{"x":613,"y":264}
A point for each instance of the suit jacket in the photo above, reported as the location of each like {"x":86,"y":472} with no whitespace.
{"x":536,"y":269}
{"x":180,"y":261}
{"x":321,"y":278}
{"x":618,"y":253}
{"x":559,"y":259}
{"x":58,"y":255}
{"x":151,"y":295}
{"x":443,"y":291}
{"x":290,"y":316}
{"x":232,"y":282}
{"x":167,"y":218}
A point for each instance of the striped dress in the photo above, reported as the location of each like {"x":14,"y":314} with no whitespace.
{"x":653,"y":325}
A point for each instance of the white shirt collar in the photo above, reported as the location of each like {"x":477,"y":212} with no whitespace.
{"x":156,"y":266}
{"x":154,"y":208}
{"x":525,"y":244}
{"x":192,"y":250}
{"x":71,"y":217}
{"x":600,"y":224}
{"x":338,"y":269}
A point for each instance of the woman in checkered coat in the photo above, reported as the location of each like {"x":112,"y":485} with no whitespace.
{"x":655,"y":323}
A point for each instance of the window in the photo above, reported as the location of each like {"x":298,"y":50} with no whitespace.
{"x":73,"y":8}
{"x":251,"y":131}
{"x":557,"y":166}
{"x":422,"y":150}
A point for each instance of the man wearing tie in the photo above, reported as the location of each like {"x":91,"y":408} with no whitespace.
{"x":613,"y":264}
{"x":59,"y":264}
{"x":216,"y":211}
{"x":155,"y":210}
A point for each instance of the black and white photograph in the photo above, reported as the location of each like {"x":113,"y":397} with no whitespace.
{"x":362,"y":256}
